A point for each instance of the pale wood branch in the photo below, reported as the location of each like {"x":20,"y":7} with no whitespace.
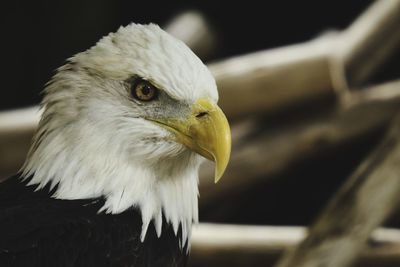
{"x":16,"y":131}
{"x":272,"y":80}
{"x":273,"y":151}
{"x":369,"y":41}
{"x":245,"y":245}
{"x":192,"y":28}
{"x":369,"y":196}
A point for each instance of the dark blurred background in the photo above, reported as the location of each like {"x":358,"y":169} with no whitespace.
{"x":37,"y":36}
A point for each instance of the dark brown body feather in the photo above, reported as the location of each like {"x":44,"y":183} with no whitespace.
{"x":37,"y":230}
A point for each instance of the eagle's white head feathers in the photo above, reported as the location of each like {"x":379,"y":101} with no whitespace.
{"x":94,"y":139}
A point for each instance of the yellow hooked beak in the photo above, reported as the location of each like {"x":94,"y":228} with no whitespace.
{"x":205,"y":131}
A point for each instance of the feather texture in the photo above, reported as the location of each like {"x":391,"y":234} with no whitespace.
{"x":93,"y":140}
{"x":37,"y":230}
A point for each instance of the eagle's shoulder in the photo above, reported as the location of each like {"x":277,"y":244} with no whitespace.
{"x":37,"y":230}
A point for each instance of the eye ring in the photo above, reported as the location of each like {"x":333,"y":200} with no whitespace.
{"x":143,"y":90}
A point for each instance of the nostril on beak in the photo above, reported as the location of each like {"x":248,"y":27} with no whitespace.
{"x":201,"y":114}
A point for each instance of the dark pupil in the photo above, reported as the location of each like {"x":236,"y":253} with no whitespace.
{"x":146,"y":90}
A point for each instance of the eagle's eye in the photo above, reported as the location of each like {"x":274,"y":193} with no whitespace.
{"x":143,"y":90}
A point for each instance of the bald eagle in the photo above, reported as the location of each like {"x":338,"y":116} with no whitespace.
{"x":111,"y":178}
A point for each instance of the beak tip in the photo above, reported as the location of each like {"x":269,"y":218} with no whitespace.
{"x":217,"y":178}
{"x":219,"y":171}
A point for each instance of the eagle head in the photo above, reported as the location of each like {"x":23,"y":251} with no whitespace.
{"x":127,"y":120}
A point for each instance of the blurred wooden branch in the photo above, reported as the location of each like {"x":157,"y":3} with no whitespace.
{"x":365,"y":46}
{"x":290,"y":143}
{"x":16,"y":130}
{"x":369,"y":196}
{"x":239,"y":245}
{"x":272,"y":80}
{"x":193,"y":29}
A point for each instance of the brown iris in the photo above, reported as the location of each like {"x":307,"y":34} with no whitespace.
{"x":144,"y":90}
